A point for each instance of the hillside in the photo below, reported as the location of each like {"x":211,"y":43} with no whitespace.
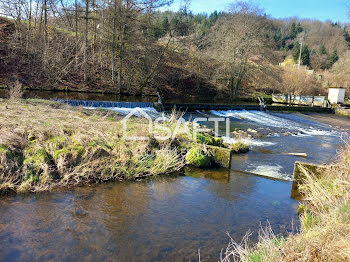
{"x":223,"y":55}
{"x":25,"y":65}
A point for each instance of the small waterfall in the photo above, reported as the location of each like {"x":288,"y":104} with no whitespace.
{"x":123,"y":108}
{"x":280,"y":122}
{"x":106,"y":104}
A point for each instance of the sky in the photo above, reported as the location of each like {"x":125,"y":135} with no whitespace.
{"x":334,"y":10}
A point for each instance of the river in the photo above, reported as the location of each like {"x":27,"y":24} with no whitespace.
{"x":172,"y":218}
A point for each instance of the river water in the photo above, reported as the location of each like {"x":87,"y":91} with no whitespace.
{"x":172,"y":218}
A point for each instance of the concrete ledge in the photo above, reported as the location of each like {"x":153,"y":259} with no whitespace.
{"x":221,"y":155}
{"x":203,"y":107}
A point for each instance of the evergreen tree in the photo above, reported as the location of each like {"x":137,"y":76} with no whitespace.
{"x":165,"y":24}
{"x":333,"y":58}
{"x":322,"y":50}
{"x":299,"y":28}
{"x":293,"y":31}
{"x":214,"y":17}
{"x":346,"y":35}
{"x":278,"y":39}
{"x":305,"y":54}
{"x":296,"y":51}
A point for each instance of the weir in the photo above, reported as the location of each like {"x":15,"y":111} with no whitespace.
{"x":192,"y":107}
{"x":205,"y":107}
{"x":105,"y":104}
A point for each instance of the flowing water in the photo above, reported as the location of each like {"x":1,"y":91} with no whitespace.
{"x":171,"y":218}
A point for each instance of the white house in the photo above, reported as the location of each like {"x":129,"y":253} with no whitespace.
{"x":336,"y":95}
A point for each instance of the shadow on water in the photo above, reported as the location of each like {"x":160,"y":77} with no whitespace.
{"x":161,"y":219}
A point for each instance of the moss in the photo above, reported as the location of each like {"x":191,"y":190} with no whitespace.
{"x":7,"y":152}
{"x":196,"y":156}
{"x":34,"y":161}
{"x":239,"y":148}
{"x":60,"y":152}
{"x":76,"y":150}
{"x":204,"y":139}
{"x":210,"y":140}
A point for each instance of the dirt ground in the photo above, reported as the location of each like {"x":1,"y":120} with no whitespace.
{"x":339,"y":122}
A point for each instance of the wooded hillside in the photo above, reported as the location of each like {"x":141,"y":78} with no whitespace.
{"x":131,"y":47}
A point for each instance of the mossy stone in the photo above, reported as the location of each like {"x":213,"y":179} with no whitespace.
{"x":239,"y":148}
{"x":197,"y":157}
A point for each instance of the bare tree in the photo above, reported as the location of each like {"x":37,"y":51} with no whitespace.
{"x":235,"y":40}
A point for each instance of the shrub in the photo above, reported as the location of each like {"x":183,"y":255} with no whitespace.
{"x":16,"y":91}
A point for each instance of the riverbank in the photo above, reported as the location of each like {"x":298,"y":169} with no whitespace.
{"x":325,"y":223}
{"x":45,"y":144}
{"x":336,"y":121}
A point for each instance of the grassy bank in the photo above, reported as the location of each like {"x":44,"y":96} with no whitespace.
{"x":325,"y":223}
{"x":45,"y":145}
{"x":342,"y":112}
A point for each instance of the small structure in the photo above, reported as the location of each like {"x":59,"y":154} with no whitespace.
{"x":336,"y":95}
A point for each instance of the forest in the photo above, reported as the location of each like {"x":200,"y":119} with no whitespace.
{"x":139,"y":48}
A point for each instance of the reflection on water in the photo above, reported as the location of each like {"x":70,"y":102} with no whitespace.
{"x":116,"y":98}
{"x":163,"y":219}
{"x":221,"y":174}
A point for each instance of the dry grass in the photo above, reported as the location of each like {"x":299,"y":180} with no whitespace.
{"x":45,"y":144}
{"x":16,"y":91}
{"x":325,"y":223}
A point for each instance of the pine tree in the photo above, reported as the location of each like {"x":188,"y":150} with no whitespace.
{"x":299,"y":28}
{"x":322,"y":50}
{"x":278,"y":38}
{"x":293,"y":31}
{"x":296,"y":51}
{"x":165,"y":24}
{"x":333,"y":58}
{"x":305,"y":55}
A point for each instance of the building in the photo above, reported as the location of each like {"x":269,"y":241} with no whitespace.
{"x":336,"y":95}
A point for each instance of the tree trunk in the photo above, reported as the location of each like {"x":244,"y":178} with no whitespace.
{"x":76,"y":33}
{"x":114,"y":42}
{"x":86,"y":39}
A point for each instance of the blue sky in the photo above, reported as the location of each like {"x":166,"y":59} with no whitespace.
{"x":334,"y":10}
